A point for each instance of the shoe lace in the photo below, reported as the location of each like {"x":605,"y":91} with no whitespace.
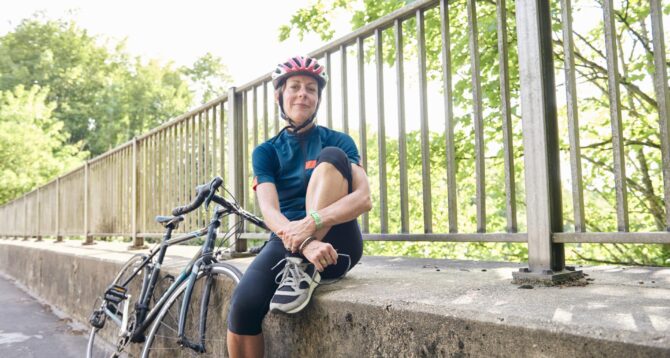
{"x":290,"y":274}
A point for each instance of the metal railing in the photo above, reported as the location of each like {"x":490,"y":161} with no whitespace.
{"x":384,"y":79}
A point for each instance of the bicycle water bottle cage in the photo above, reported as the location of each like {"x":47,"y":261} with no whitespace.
{"x":115,"y":294}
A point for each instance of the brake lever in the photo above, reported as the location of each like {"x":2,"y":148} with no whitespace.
{"x":208,"y":200}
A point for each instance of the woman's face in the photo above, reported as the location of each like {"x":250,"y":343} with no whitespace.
{"x":301,"y":95}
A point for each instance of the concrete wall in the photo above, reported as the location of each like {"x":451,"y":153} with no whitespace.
{"x":391,"y":307}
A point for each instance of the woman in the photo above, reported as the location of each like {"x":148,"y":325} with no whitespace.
{"x":310,"y":188}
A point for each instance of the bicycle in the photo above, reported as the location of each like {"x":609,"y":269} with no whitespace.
{"x":129,"y":307}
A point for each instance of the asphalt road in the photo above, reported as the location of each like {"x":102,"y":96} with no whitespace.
{"x":30,"y":329}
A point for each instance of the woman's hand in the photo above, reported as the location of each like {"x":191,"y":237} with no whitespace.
{"x":321,"y":254}
{"x":295,"y":232}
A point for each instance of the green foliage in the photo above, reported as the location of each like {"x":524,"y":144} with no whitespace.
{"x":33,"y":145}
{"x":103,"y":95}
{"x":510,"y":252}
{"x":96,"y":95}
{"x":208,"y":77}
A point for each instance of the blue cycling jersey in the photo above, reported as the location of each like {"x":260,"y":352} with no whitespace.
{"x":288,"y":161}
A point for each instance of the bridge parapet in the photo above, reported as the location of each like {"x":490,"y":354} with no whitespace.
{"x":392,"y":306}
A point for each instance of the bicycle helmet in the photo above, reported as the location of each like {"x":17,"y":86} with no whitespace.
{"x":298,"y":65}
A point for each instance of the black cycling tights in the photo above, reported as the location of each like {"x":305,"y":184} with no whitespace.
{"x":251,"y":299}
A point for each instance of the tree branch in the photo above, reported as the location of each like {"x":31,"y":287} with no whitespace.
{"x":622,"y":79}
{"x":589,"y":259}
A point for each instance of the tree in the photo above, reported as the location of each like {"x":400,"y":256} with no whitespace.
{"x":33,"y":145}
{"x":103,"y":95}
{"x":208,"y":77}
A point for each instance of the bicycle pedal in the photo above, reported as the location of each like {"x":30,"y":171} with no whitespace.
{"x":115,"y":294}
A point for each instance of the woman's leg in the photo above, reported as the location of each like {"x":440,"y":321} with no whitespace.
{"x":242,"y":346}
{"x":251,"y":301}
{"x":330,"y":181}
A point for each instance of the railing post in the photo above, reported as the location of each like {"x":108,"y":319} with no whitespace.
{"x":541,"y":153}
{"x":88,"y":240}
{"x":59,"y":238}
{"x":39,"y":214}
{"x":235,"y":159}
{"x":663,"y":99}
{"x":25,"y":218}
{"x":138,"y":242}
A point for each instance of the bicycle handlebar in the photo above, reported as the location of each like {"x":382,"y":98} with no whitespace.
{"x":205,"y":193}
{"x":235,"y":208}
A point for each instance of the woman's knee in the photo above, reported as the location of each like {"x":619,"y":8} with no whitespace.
{"x":246,"y":314}
{"x":338,"y":159}
{"x":250,"y":301}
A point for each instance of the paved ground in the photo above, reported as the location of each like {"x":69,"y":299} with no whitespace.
{"x":30,"y":329}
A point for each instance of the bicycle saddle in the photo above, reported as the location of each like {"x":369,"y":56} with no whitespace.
{"x":169,"y":220}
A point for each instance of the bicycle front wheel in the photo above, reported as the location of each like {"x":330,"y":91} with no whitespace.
{"x":110,"y":340}
{"x":162,"y":340}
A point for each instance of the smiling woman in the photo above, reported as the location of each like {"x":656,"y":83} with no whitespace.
{"x":300,"y":98}
{"x":310,"y":190}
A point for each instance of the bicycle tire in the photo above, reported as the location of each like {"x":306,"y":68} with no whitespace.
{"x":105,"y":341}
{"x":162,"y":338}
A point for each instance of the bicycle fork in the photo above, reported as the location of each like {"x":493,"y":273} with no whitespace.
{"x":183,"y":314}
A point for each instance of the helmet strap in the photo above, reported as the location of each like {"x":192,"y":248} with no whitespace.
{"x":291,"y":124}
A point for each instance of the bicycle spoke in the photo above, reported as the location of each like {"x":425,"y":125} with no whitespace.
{"x":162,"y":341}
{"x":105,"y":341}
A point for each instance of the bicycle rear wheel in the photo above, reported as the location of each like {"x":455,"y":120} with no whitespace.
{"x":109,"y":341}
{"x":162,"y":339}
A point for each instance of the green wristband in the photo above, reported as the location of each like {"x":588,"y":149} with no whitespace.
{"x":317,"y":219}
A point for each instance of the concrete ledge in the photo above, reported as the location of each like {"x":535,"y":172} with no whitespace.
{"x":406,"y":307}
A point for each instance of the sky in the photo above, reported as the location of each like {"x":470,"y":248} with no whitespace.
{"x":243,"y":33}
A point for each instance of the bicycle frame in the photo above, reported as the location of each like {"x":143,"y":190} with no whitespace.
{"x":202,"y":262}
{"x":203,"y":257}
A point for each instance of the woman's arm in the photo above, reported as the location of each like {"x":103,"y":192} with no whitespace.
{"x":268,"y":200}
{"x":347,"y":208}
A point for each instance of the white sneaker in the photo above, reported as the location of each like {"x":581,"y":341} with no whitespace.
{"x":296,"y":282}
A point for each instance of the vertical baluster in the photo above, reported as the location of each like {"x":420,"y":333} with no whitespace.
{"x":245,"y":150}
{"x":344,"y":91}
{"x":402,"y":140}
{"x":222,"y":139}
{"x":381,"y":136}
{"x":266,"y":134}
{"x":329,"y":93}
{"x":615,"y":116}
{"x":662,"y":98}
{"x":425,"y":131}
{"x":361,"y":115}
{"x":508,"y":146}
{"x":573,"y":117}
{"x":449,"y":118}
{"x":477,"y":116}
